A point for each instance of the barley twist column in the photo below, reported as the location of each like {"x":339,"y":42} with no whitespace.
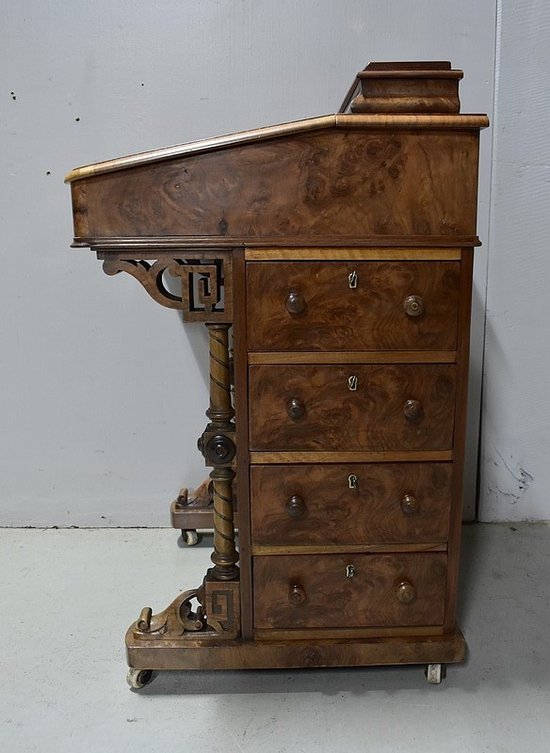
{"x":219,"y":450}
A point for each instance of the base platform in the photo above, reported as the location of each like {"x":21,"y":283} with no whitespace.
{"x":223,"y":654}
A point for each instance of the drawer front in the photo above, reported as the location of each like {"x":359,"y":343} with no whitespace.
{"x":310,"y":306}
{"x":352,"y":407}
{"x":378,"y":503}
{"x":356,"y":590}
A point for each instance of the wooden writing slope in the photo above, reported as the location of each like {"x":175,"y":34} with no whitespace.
{"x":339,"y":249}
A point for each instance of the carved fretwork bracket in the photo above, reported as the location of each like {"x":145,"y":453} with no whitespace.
{"x":205,"y":284}
{"x":216,"y":616}
{"x":212,"y":611}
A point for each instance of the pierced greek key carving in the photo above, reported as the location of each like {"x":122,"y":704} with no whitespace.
{"x":206,"y":290}
{"x":222,"y":605}
{"x":217,"y":615}
{"x":200,"y":287}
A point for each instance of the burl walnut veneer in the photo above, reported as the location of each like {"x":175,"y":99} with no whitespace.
{"x":339,"y":250}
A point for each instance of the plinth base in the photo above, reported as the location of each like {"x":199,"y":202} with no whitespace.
{"x":209,"y":653}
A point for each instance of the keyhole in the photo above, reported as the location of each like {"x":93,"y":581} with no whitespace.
{"x":352,"y":279}
{"x":350,"y":571}
{"x":352,"y":383}
{"x":352,"y":481}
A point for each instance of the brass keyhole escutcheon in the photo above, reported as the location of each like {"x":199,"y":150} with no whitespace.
{"x":353,"y":381}
{"x":353,"y":481}
{"x":350,"y":571}
{"x":352,"y":280}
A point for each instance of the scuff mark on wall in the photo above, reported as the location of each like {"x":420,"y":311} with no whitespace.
{"x":520,"y":478}
{"x":523,"y":477}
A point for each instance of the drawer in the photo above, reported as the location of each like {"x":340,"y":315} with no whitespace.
{"x":393,"y":407}
{"x":304,"y":591}
{"x":310,"y":306}
{"x":378,"y":503}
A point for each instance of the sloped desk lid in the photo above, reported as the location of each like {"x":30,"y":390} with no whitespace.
{"x":370,"y":121}
{"x":402,"y":165}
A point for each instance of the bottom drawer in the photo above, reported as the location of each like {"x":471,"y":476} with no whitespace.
{"x":349,"y":590}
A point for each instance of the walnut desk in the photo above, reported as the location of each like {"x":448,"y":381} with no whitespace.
{"x":339,"y":250}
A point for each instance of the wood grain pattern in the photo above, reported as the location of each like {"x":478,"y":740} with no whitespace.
{"x":337,"y":652}
{"x":333,"y":513}
{"x":152,"y":244}
{"x":331,"y":599}
{"x":350,"y":254}
{"x":373,"y":121}
{"x":317,"y":634}
{"x":461,"y":411}
{"x":404,"y":456}
{"x":411,"y":121}
{"x":403,"y":89}
{"x":371,"y":316}
{"x":214,"y":143}
{"x":367,"y":356}
{"x":337,"y":183}
{"x":355,"y":548}
{"x":371,"y":418}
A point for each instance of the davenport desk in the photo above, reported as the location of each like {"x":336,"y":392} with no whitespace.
{"x":339,"y":252}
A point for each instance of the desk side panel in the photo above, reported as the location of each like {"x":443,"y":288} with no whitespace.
{"x":334,"y":183}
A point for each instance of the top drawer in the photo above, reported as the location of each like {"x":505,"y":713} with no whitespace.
{"x":361,"y":305}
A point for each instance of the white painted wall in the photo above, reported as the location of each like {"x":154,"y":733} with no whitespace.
{"x":515,"y":459}
{"x":96,"y":426}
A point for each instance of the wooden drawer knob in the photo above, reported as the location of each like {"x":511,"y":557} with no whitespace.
{"x":295,"y":303}
{"x":296,"y":408}
{"x":412,"y":410}
{"x":409,"y":505}
{"x":413,"y":305}
{"x":295,"y":507}
{"x":296,"y":595}
{"x":405,"y":592}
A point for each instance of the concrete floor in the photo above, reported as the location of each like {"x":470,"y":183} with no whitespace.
{"x":69,"y":596}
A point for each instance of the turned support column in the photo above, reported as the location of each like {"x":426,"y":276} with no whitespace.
{"x":218,"y":447}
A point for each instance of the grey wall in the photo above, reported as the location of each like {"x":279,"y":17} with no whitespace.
{"x":515,"y":459}
{"x":103,"y":391}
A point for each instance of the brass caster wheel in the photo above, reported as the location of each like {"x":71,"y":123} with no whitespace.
{"x":435,"y":673}
{"x":189,"y":537}
{"x":138,"y":678}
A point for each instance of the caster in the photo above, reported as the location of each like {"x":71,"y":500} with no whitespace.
{"x":435,"y":673}
{"x":189,"y":537}
{"x":138,"y":678}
